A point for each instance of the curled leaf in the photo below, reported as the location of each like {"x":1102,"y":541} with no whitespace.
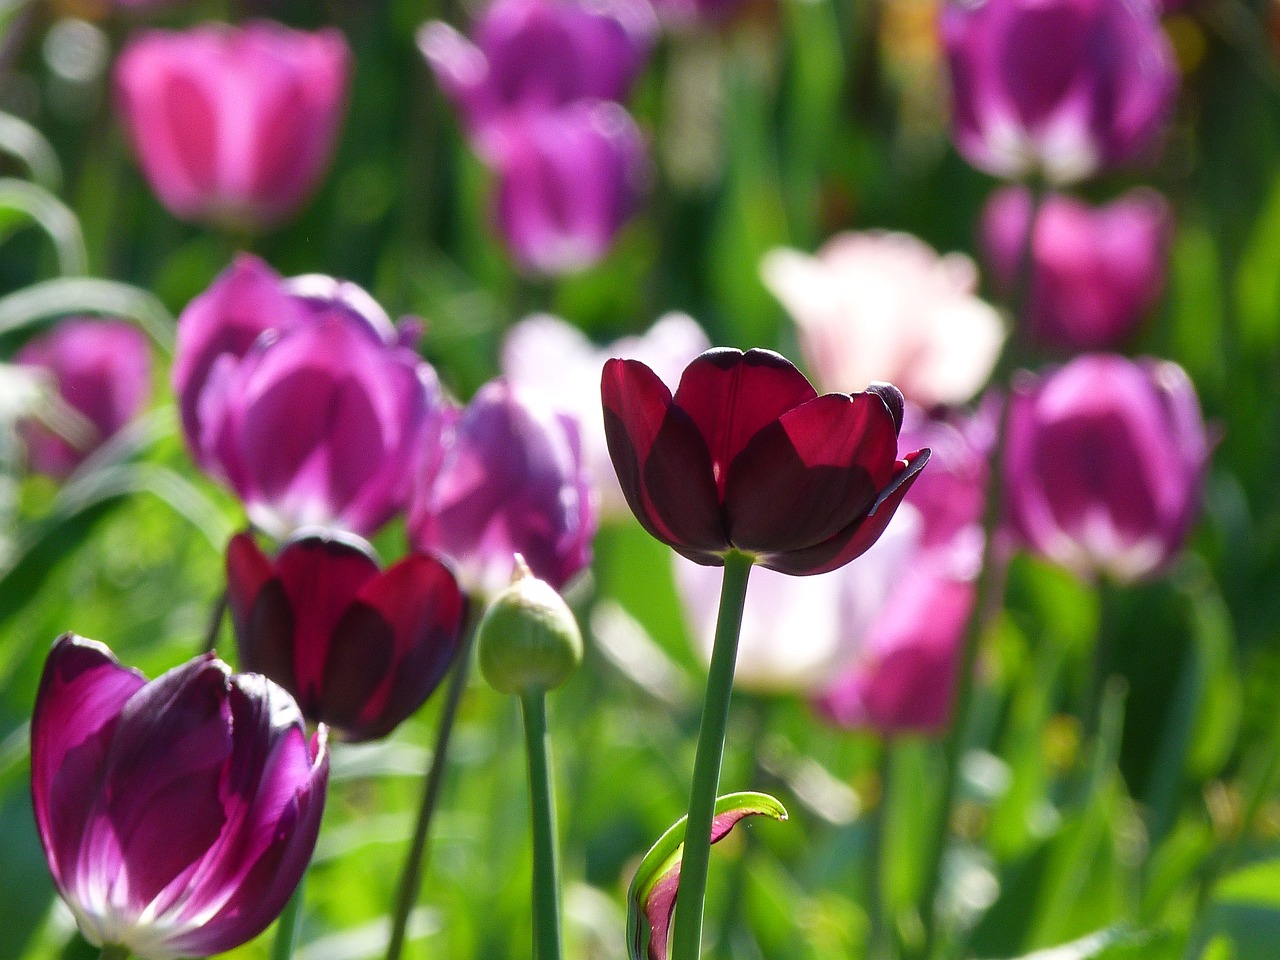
{"x":652,"y":896}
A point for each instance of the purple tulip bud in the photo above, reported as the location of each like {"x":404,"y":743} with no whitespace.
{"x":1096,"y":271}
{"x":1104,"y":465}
{"x":568,"y":181}
{"x":361,"y":648}
{"x":746,"y":456}
{"x":101,"y":369}
{"x":234,"y":125}
{"x":177,"y":815}
{"x":298,"y":395}
{"x":1063,"y":88}
{"x":532,"y":56}
{"x":512,"y":480}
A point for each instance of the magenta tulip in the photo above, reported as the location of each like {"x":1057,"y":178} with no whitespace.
{"x":746,"y":456}
{"x":177,"y":815}
{"x":1095,"y":271}
{"x":1105,"y":461}
{"x":101,"y":369}
{"x":234,"y":126}
{"x":534,"y":56}
{"x":511,"y":480}
{"x":568,"y":181}
{"x":1060,"y":88}
{"x":361,"y":648}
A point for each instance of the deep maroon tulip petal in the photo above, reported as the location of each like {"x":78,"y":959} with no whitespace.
{"x":357,"y":670}
{"x":803,"y":476}
{"x":662,"y":461}
{"x":853,"y":541}
{"x":262,"y":613}
{"x":82,"y":691}
{"x":731,"y":396}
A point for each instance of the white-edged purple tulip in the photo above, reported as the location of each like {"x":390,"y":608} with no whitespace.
{"x":539,"y":55}
{"x":567,"y":182}
{"x":101,"y":369}
{"x":1104,"y":466}
{"x":511,"y":480}
{"x":1095,"y":271}
{"x":234,"y":125}
{"x":1059,"y":88}
{"x":177,"y":815}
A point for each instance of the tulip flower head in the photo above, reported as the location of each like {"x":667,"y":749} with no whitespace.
{"x":1059,"y":88}
{"x":746,"y":456}
{"x":511,"y":480}
{"x":177,"y":815}
{"x":303,"y":402}
{"x":1095,"y":271}
{"x":234,"y":126}
{"x":360,"y":647}
{"x":884,"y":306}
{"x":1105,"y":461}
{"x":101,"y":370}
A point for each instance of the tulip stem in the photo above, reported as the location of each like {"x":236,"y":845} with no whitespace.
{"x":287,"y":925}
{"x":214,"y":627}
{"x":411,"y":875}
{"x":542,"y":814}
{"x":686,"y":939}
{"x":113,"y":951}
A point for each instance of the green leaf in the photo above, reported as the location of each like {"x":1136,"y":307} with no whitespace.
{"x":1114,"y":943}
{"x":662,"y":862}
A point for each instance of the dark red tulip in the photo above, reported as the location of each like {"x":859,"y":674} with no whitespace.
{"x":746,"y":456}
{"x":360,"y":648}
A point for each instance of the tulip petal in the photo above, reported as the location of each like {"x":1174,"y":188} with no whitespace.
{"x":858,"y":536}
{"x":731,"y":396}
{"x":261,"y":612}
{"x":82,"y":691}
{"x":652,"y":895}
{"x":806,"y":475}
{"x":662,"y":462}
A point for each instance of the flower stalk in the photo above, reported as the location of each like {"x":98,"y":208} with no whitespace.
{"x":686,"y":935}
{"x":287,"y":925}
{"x":542,"y":815}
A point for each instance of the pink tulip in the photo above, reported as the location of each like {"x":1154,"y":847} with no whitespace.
{"x":101,"y":369}
{"x":234,"y":125}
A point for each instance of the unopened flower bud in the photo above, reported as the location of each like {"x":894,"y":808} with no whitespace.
{"x":529,"y":640}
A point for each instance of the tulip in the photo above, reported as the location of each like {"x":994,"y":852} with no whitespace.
{"x":883,"y":306}
{"x":299,"y":395}
{"x":177,"y":815}
{"x":1104,"y":464}
{"x":534,"y":56}
{"x":568,"y":181}
{"x":1095,"y":272}
{"x":1059,"y":88}
{"x":234,"y":126}
{"x":101,"y":369}
{"x":511,"y":479}
{"x":360,"y":648}
{"x":546,"y":358}
{"x":747,"y":457}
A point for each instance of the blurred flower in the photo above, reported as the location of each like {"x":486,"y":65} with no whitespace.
{"x":299,"y":395}
{"x":100,"y":370}
{"x":361,"y":648}
{"x":1096,"y":271}
{"x":1104,"y":464}
{"x":234,"y":126}
{"x":747,"y":456}
{"x":535,"y":56}
{"x":1061,"y":88}
{"x":568,"y":181}
{"x":511,"y":480}
{"x":883,"y":306}
{"x":547,"y":358}
{"x":177,"y":815}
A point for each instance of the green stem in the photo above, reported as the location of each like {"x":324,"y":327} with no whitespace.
{"x":216,"y":613}
{"x":878,"y":928}
{"x":542,"y":813}
{"x":411,"y":875}
{"x":686,"y":938}
{"x":287,"y":925}
{"x":114,"y":951}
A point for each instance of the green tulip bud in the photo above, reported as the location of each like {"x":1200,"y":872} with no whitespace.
{"x":528,"y":640}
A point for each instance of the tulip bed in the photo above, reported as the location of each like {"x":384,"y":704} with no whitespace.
{"x":852,"y":426}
